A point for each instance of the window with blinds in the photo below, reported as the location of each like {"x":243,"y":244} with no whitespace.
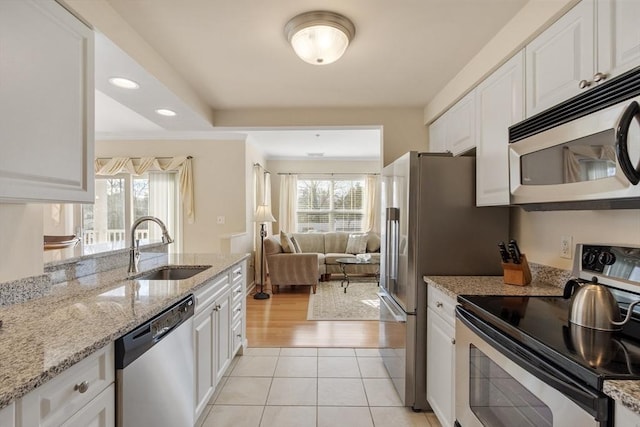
{"x":333,"y":204}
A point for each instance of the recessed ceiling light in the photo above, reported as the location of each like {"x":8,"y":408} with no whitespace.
{"x":315,"y":154}
{"x":165,"y":112}
{"x":123,"y":83}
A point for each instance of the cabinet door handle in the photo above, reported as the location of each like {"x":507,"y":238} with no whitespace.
{"x":598,"y":77}
{"x":239,"y":335}
{"x":239,"y":291}
{"x":217,"y":307}
{"x":584,"y":84}
{"x":238,"y":310}
{"x":438,"y":304}
{"x":81,"y":387}
{"x":453,"y":341}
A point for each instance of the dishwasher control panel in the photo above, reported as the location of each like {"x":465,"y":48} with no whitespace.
{"x":172,"y":318}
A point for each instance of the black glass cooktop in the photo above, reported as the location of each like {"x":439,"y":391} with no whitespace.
{"x":541,"y":324}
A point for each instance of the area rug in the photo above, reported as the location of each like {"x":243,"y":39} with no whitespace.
{"x":331,"y":303}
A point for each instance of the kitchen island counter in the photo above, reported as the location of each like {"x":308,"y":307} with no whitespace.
{"x":42,"y":337}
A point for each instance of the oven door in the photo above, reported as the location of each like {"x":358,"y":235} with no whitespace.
{"x":500,"y":383}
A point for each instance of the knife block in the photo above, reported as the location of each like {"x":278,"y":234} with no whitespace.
{"x":517,"y":274}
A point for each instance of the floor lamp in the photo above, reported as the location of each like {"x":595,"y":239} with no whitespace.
{"x":262,"y":216}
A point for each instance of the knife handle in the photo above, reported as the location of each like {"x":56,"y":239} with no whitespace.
{"x":503,"y":252}
{"x":515,"y":254}
{"x":516,"y":249}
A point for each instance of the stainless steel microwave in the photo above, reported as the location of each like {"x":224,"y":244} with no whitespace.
{"x":581,"y":154}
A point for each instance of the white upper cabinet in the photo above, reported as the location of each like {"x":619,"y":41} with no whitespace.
{"x":437,"y":136}
{"x":618,"y":36}
{"x":593,"y":42}
{"x":560,"y":59}
{"x":460,"y":125}
{"x":46,"y":103}
{"x":454,"y":131}
{"x":499,"y":104}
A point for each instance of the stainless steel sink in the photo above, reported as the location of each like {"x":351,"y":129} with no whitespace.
{"x":172,"y":272}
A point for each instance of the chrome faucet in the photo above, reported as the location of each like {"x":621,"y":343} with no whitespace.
{"x":134,"y":251}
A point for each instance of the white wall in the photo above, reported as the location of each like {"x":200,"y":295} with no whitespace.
{"x":21,"y":244}
{"x":403,"y":128}
{"x":220,"y":185}
{"x":539,"y":232}
{"x":311,"y":167}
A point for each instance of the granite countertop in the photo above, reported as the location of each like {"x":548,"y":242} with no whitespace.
{"x":626,"y":392}
{"x":42,"y":337}
{"x":489,"y":285}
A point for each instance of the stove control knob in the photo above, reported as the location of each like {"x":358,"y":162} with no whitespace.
{"x":588,"y":258}
{"x":607,"y":258}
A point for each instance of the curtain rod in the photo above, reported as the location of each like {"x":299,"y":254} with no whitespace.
{"x":326,"y":173}
{"x":262,"y":167}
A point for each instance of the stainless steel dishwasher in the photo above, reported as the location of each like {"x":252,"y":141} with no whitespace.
{"x":154,"y":371}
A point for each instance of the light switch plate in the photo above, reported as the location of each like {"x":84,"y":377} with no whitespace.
{"x":220,"y":220}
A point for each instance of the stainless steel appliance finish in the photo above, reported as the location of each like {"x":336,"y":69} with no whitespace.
{"x":521,"y":359}
{"x":430,"y":227}
{"x":584,"y":153}
{"x":497,"y":386}
{"x":155,"y":373}
{"x":593,"y":306}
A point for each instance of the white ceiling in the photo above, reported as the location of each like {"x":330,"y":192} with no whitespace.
{"x":235,"y":56}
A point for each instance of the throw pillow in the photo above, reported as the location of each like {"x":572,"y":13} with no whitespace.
{"x":296,"y":245}
{"x":287,"y":244}
{"x":357,"y":243}
{"x":373,"y":243}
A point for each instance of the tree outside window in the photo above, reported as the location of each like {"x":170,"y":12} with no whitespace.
{"x":330,"y":204}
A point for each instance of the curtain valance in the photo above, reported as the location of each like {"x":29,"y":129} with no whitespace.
{"x":139,"y":166}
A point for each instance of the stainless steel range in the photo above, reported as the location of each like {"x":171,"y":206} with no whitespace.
{"x":521,"y":361}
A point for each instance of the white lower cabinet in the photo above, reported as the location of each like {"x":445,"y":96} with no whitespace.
{"x":83,"y":395}
{"x":625,"y":417}
{"x":218,"y":330}
{"x":205,"y":379}
{"x":97,"y":413}
{"x":8,"y":416}
{"x":441,"y":356}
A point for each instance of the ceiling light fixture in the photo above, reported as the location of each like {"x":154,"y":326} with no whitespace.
{"x":123,"y":83}
{"x":165,"y":112}
{"x":319,"y":37}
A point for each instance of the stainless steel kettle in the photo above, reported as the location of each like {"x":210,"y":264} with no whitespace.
{"x":593,"y":306}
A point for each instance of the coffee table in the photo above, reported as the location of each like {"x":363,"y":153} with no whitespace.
{"x":344,"y":262}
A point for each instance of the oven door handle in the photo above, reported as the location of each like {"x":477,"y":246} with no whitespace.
{"x":622,"y":143}
{"x":591,"y":401}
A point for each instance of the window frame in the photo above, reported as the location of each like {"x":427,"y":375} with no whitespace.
{"x":332,"y":211}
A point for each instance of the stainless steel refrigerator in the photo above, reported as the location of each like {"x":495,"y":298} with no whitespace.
{"x":430,"y":226}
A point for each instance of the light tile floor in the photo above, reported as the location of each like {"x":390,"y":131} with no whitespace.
{"x":315,"y":387}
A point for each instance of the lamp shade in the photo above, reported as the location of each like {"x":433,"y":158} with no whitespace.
{"x":263,"y":214}
{"x":320,"y":37}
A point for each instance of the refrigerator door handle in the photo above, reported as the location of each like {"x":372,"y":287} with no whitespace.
{"x":397,"y":315}
{"x":392,"y":246}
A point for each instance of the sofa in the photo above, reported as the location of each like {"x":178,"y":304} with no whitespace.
{"x":313,"y":257}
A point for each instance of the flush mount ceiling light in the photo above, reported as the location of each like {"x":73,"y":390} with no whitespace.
{"x":319,"y":37}
{"x":123,"y":83}
{"x":165,"y":112}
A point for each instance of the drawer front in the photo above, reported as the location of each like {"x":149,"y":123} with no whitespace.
{"x":442,"y":304}
{"x":238,"y":337}
{"x":237,"y":274}
{"x":237,"y":292}
{"x":100,"y":412}
{"x":57,"y":400}
{"x":236,"y":312}
{"x":207,"y":293}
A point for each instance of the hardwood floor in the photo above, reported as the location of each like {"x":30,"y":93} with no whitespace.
{"x":281,"y":321}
